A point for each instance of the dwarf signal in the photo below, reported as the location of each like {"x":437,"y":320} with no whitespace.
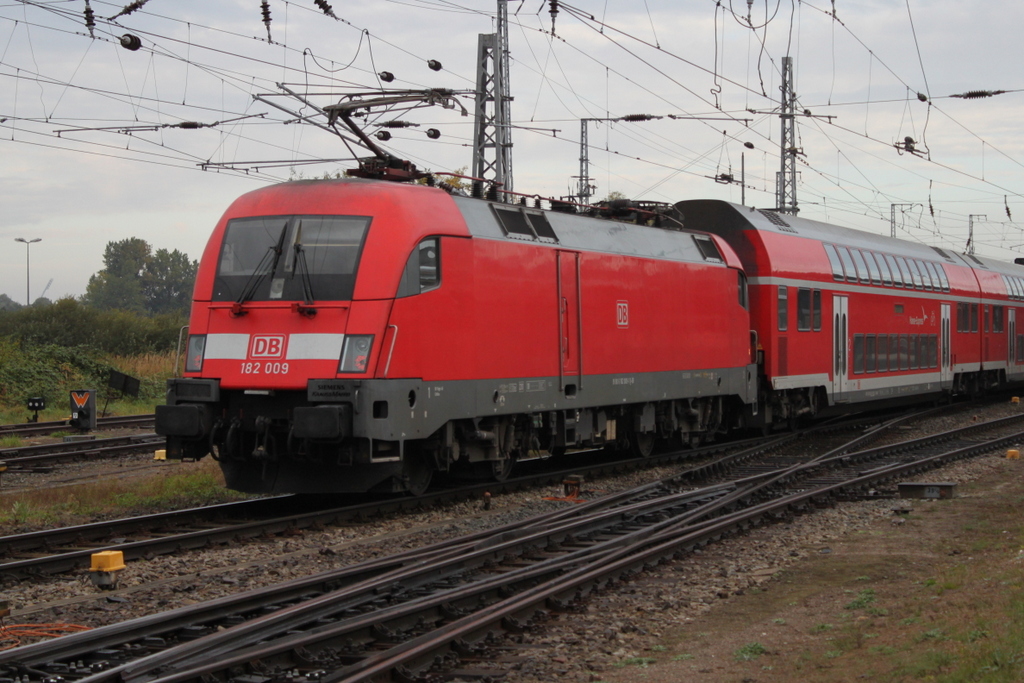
{"x":83,"y":409}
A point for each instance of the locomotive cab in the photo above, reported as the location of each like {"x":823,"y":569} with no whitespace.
{"x":289,"y":318}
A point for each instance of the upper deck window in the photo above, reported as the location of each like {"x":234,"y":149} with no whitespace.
{"x":851,"y":272}
{"x":862,"y":267}
{"x":837,"y":265}
{"x":876,"y":275}
{"x":897,"y":276}
{"x":884,"y":268}
{"x":290,"y":258}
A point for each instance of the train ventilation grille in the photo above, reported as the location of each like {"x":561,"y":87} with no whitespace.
{"x":776,"y":219}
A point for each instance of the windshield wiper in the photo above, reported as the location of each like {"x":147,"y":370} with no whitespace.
{"x":303,"y":269}
{"x":272,"y":257}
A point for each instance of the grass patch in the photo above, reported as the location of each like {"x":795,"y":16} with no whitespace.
{"x":750,"y":651}
{"x":10,"y":441}
{"x":863,"y":599}
{"x":179,"y":486}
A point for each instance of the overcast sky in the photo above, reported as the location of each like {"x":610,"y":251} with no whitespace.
{"x":90,"y":152}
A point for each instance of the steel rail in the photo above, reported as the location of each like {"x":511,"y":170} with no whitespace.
{"x":43,"y":428}
{"x":24,"y":457}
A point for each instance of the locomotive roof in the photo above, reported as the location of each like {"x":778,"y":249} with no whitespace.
{"x":585,"y":233}
{"x":721,"y":217}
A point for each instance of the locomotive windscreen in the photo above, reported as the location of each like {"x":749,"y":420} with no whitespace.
{"x":290,"y":258}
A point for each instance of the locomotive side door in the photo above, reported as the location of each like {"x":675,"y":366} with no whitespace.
{"x":840,"y":346}
{"x":570,"y":331}
{"x":945,"y":357}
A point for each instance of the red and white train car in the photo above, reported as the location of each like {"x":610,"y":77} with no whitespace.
{"x":360,"y":335}
{"x":844,"y":317}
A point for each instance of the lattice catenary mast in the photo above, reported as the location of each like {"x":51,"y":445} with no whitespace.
{"x":492,"y":139}
{"x":786,"y":182}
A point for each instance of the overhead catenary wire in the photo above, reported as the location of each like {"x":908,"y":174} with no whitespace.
{"x":577,"y":100}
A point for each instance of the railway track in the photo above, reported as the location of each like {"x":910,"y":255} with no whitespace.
{"x":414,"y":615}
{"x":42,"y":456}
{"x":58,"y":550}
{"x":52,"y":551}
{"x":46,"y":428}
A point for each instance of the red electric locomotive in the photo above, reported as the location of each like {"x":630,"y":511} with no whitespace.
{"x":847,"y":317}
{"x":358,"y":335}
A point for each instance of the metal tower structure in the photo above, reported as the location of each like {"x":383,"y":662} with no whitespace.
{"x":584,"y":190}
{"x":970,"y":231}
{"x":786,"y":182}
{"x":492,"y":139}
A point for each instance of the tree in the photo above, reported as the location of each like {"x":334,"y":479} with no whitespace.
{"x":135,"y":279}
{"x":167,"y":282}
{"x":8,"y":304}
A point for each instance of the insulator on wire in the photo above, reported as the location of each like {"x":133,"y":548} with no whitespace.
{"x":1007,"y":205}
{"x":128,"y":9}
{"x":265,"y":10}
{"x":397,"y":124}
{"x":433,"y":133}
{"x":325,"y":8}
{"x":553,"y":12}
{"x":748,"y":145}
{"x":131,"y":42}
{"x":386,"y":76}
{"x":921,"y":96}
{"x":639,"y":117}
{"x":978,"y":94}
{"x":90,"y":19}
{"x":383,"y":135}
{"x":434,"y":65}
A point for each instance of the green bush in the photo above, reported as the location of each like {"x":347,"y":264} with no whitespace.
{"x":48,"y":370}
{"x":69,"y":323}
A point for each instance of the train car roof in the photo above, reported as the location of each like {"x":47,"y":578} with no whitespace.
{"x":570,"y":231}
{"x":721,"y":217}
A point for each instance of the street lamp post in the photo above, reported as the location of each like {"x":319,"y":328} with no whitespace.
{"x":28,"y":244}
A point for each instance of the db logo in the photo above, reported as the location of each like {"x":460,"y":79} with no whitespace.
{"x":622,"y":313}
{"x":267,"y":346}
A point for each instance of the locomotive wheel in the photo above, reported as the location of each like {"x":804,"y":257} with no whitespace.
{"x":641,"y":444}
{"x":417,"y":471}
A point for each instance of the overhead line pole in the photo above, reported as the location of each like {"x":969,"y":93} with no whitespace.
{"x":492,"y":135}
{"x":787,"y":175}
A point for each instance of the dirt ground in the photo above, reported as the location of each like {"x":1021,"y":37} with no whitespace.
{"x":933,"y":595}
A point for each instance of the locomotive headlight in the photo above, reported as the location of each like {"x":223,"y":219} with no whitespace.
{"x":194,"y":354}
{"x":355,"y":353}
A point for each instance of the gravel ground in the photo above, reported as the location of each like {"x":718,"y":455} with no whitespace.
{"x":620,"y":624}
